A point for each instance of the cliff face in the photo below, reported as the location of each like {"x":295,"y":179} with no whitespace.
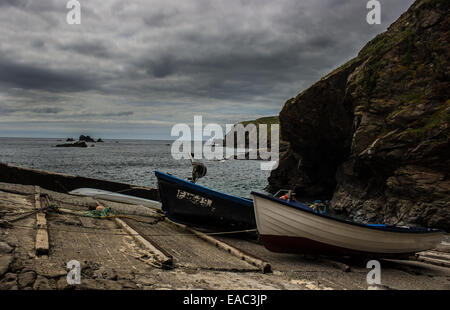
{"x":269,"y":121}
{"x":373,"y":136}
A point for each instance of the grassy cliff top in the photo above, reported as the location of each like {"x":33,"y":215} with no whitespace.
{"x":269,"y":120}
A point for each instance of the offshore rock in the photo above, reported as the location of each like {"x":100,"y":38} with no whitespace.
{"x":86,"y":138}
{"x":76,"y":144}
{"x":373,"y":136}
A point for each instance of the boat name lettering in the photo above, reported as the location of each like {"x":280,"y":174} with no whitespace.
{"x":195,"y":199}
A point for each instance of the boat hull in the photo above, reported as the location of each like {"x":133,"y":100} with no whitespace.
{"x":116,"y":197}
{"x":189,"y":203}
{"x":288,"y":229}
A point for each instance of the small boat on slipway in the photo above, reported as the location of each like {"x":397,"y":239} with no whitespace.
{"x":287,"y":226}
{"x":185,"y":202}
{"x":116,"y":197}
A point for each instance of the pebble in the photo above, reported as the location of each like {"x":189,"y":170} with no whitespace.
{"x":5,"y":248}
{"x":9,"y":282}
{"x":26,"y":279}
{"x":41,"y":283}
{"x":5,"y":262}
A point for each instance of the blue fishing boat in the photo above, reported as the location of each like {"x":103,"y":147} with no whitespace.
{"x":189,"y":203}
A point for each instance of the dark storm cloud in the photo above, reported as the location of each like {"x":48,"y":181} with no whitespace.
{"x":38,"y":78}
{"x":95,"y":48}
{"x":7,"y":110}
{"x":168,"y":60}
{"x":48,"y":110}
{"x":15,"y":3}
{"x":126,"y":113}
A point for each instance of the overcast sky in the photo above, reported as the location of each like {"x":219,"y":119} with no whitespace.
{"x":133,"y":69}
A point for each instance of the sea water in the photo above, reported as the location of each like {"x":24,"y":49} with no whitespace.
{"x":130,"y":161}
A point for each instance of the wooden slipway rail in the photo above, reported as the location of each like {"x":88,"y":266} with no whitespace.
{"x":167,"y":260}
{"x":42,"y":245}
{"x":262,"y":265}
{"x":162,"y":256}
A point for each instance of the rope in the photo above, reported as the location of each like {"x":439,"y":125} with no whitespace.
{"x":104,"y":231}
{"x":87,"y":205}
{"x":132,"y":218}
{"x":157,"y":220}
{"x":25,"y":215}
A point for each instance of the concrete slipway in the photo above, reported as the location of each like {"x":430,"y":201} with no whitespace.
{"x":144,"y":250}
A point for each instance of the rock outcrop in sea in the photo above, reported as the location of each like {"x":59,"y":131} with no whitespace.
{"x":373,"y":135}
{"x":75,"y":144}
{"x":86,"y":138}
{"x":82,"y":142}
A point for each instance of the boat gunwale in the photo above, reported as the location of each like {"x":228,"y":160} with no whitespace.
{"x":203,"y":189}
{"x":414,"y":230}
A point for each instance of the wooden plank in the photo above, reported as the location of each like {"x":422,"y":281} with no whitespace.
{"x":42,"y":244}
{"x":434,"y":261}
{"x":262,"y":265}
{"x":41,"y":221}
{"x":165,"y":260}
{"x":435,"y":254}
{"x":340,"y":265}
{"x":37,"y":197}
{"x":443,"y":247}
{"x":435,"y":258}
{"x":153,"y":242}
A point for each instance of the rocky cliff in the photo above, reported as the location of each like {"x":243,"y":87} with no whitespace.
{"x":373,"y":136}
{"x":269,"y":121}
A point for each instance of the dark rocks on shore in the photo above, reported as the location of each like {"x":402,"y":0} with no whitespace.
{"x":99,"y":140}
{"x":373,"y":135}
{"x":245,"y":156}
{"x":76,"y":144}
{"x":269,"y":121}
{"x":232,"y":134}
{"x":69,"y":140}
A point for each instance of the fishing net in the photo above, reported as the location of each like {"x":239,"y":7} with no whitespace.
{"x":100,"y":213}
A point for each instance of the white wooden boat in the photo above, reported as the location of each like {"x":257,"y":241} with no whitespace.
{"x":292,"y":227}
{"x":116,"y":197}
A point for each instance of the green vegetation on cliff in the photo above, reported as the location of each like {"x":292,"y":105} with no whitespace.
{"x":269,"y":120}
